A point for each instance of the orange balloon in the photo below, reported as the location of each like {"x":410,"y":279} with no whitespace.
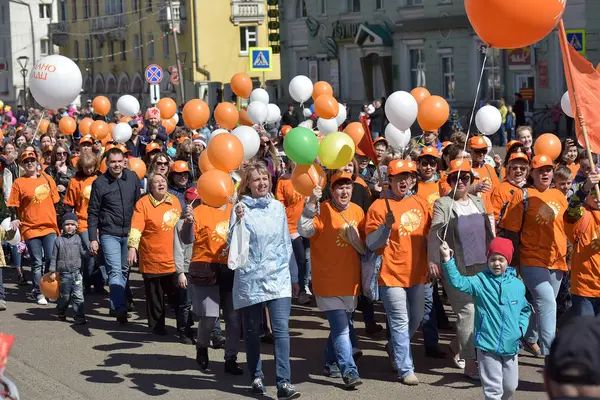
{"x":285,"y":129}
{"x":215,"y":187}
{"x":306,"y":177}
{"x":244,"y":120}
{"x":84,"y":126}
{"x":326,"y":107}
{"x":67,"y":125}
{"x":44,"y":125}
{"x":241,"y":85}
{"x":356,"y":131}
{"x":420,"y":94}
{"x":111,"y":127}
{"x":169,"y":124}
{"x":109,"y":138}
{"x":196,"y":114}
{"x":226,"y":115}
{"x":137,"y":166}
{"x":50,"y":289}
{"x":548,"y":145}
{"x":103,"y":166}
{"x":101,"y":105}
{"x":99,"y":130}
{"x":225,"y":152}
{"x":167,"y":107}
{"x":125,"y":119}
{"x":321,"y":88}
{"x":433,"y":113}
{"x":205,"y":164}
{"x":534,"y":21}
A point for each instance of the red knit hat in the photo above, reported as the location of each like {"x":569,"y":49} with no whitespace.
{"x":501,"y":246}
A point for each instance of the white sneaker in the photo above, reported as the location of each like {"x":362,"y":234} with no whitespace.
{"x":2,"y":305}
{"x":41,"y":300}
{"x":303,"y":299}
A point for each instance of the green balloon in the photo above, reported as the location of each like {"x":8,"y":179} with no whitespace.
{"x":301,"y":145}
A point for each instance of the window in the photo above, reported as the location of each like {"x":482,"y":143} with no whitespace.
{"x":492,"y":80}
{"x":417,"y":68}
{"x":76,"y":48}
{"x":301,"y":9}
{"x":86,"y":9}
{"x":63,"y":10}
{"x":87,"y":48}
{"x":41,"y":9}
{"x":248,"y":39}
{"x":412,"y":3}
{"x":97,"y":7}
{"x":44,"y":46}
{"x":111,"y":51}
{"x":379,"y":4}
{"x":323,"y":7}
{"x":74,"y":11}
{"x":151,"y":46}
{"x":48,"y":11}
{"x":166,"y":50}
{"x":98,"y":50}
{"x":135,"y":5}
{"x":448,"y":79}
{"x":136,"y":47}
{"x":123,"y":47}
{"x":353,"y":5}
{"x":148,"y":5}
{"x":3,"y":15}
{"x":45,"y":10}
{"x":112,"y":7}
{"x":5,"y":48}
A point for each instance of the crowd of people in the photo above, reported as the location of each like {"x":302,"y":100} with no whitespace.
{"x":510,"y":243}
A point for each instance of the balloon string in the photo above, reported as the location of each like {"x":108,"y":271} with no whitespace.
{"x":39,"y":123}
{"x":445,"y":226}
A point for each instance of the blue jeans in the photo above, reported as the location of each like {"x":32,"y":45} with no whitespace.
{"x":430,"y":329}
{"x":502,"y":141}
{"x":300,"y":246}
{"x":2,"y":293}
{"x":71,"y":292}
{"x":543,"y":284}
{"x":582,"y":306}
{"x":339,"y":345}
{"x":15,"y":256}
{"x":115,"y":255}
{"x":279,"y":311}
{"x":404,"y":308}
{"x":40,"y":250}
{"x":89,"y":277}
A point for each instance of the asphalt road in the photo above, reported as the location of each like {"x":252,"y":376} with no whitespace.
{"x":102,"y":360}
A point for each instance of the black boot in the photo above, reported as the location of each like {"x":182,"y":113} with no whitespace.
{"x":202,"y":357}
{"x":232,"y":367}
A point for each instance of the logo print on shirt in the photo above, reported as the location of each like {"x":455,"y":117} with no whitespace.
{"x":547,"y":213}
{"x":410,"y":222}
{"x":41,"y":193}
{"x":342,"y":238}
{"x":432,"y":198}
{"x":220,"y":232}
{"x":87,"y":191}
{"x":170,"y":219}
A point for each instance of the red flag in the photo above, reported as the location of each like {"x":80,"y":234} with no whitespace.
{"x":366,"y":143}
{"x":583,"y":81}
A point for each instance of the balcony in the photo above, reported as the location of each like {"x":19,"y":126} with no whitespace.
{"x":247,"y":11}
{"x":109,"y":27}
{"x":58,"y":31}
{"x":178,"y":20}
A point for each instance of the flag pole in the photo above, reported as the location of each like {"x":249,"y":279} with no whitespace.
{"x":377,"y":167}
{"x":580,"y":118}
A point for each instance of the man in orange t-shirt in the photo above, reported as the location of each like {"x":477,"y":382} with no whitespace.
{"x":488,"y":179}
{"x":518,"y":169}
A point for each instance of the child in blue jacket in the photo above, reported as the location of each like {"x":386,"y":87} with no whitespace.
{"x":501,"y":316}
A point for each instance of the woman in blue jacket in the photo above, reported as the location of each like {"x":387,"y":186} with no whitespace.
{"x":501,"y":316}
{"x":268,"y":277}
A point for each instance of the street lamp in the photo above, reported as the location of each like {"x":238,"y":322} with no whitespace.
{"x":23,"y":60}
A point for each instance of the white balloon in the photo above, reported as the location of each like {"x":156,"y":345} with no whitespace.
{"x":307,"y":113}
{"x":259,"y":95}
{"x":488,"y":120}
{"x":273,"y":113}
{"x":326,"y":126}
{"x":565,"y":104}
{"x":489,"y":144}
{"x":250,"y":140}
{"x":257,"y":112}
{"x":17,"y":239}
{"x":396,"y":137}
{"x":401,"y":110}
{"x":301,"y":88}
{"x":122,"y":132}
{"x":128,"y":105}
{"x":176,"y":118}
{"x":342,"y":114}
{"x":55,"y":81}
{"x":216,"y":132}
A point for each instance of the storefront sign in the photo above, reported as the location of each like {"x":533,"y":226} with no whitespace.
{"x":543,"y":77}
{"x":528,"y":93}
{"x":344,"y":30}
{"x":520,"y":56}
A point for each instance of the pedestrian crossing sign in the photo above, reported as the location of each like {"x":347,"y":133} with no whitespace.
{"x":260,"y":59}
{"x":576,"y":38}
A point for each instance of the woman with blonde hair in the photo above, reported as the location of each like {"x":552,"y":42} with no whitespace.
{"x":268,"y":278}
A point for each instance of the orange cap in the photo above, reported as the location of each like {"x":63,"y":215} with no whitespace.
{"x":518,"y":156}
{"x":179,"y":167}
{"x":446,"y":144}
{"x":338,"y":176}
{"x":477,"y":143}
{"x":541,"y":161}
{"x":123,"y":148}
{"x":512,"y":144}
{"x":153,"y":146}
{"x":429,"y":151}
{"x":359,"y":152}
{"x":396,"y":167}
{"x":86,"y":139}
{"x":460,"y":164}
{"x":28,"y":155}
{"x":182,"y":139}
{"x":380,"y":139}
{"x":109,"y":147}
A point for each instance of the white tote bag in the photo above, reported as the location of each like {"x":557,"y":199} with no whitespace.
{"x":239,"y":247}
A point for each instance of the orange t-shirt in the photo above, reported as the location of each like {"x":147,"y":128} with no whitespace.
{"x":152,"y":233}
{"x":292,"y":201}
{"x":74,"y":161}
{"x":35,"y":199}
{"x":211,"y":227}
{"x":501,"y":195}
{"x":429,"y":191}
{"x":78,"y":197}
{"x":585,"y":264}
{"x":487,"y":174}
{"x":405,"y":256}
{"x":543,"y":236}
{"x":574,"y":167}
{"x":335,"y":264}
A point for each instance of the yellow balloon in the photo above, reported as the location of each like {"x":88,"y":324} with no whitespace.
{"x":1,"y":104}
{"x":336,"y":150}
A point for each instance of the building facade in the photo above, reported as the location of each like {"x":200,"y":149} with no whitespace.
{"x":24,"y":41}
{"x":113,"y":41}
{"x":368,"y":49}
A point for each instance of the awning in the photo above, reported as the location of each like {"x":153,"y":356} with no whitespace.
{"x":373,"y":35}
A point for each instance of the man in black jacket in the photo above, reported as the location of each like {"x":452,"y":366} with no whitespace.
{"x":290,"y":117}
{"x":110,"y":210}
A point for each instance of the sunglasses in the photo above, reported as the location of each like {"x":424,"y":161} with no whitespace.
{"x":61,"y":153}
{"x":97,"y":141}
{"x":480,"y":151}
{"x":519,"y":167}
{"x":29,"y":161}
{"x":162,"y":164}
{"x":60,"y":137}
{"x":465,"y":178}
{"x":431,"y":163}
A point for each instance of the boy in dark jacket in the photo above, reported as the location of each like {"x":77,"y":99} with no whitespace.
{"x":67,"y":259}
